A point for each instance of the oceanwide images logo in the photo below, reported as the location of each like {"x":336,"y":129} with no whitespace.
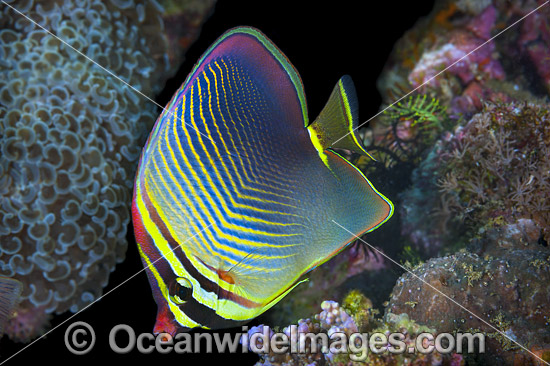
{"x":358,"y":345}
{"x":80,"y":339}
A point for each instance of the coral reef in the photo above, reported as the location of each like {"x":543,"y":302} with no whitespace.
{"x":459,"y":45}
{"x":472,"y":145}
{"x":515,"y":60}
{"x":456,"y":37}
{"x":491,"y":171}
{"x":70,"y":136}
{"x":430,"y":136}
{"x":467,"y":156}
{"x":496,"y":166}
{"x":354,"y":316}
{"x":504,"y":278}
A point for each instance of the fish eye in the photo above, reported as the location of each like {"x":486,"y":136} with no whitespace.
{"x":180,"y":291}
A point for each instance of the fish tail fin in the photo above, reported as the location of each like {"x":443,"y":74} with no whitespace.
{"x":335,"y":126}
{"x":10,"y":291}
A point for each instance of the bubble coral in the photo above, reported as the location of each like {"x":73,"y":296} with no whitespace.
{"x":70,"y":135}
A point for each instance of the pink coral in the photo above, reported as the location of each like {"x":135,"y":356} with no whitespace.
{"x":462,"y":54}
{"x":535,"y":42}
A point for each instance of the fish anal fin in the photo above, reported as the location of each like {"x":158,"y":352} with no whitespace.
{"x":276,"y":299}
{"x":335,"y":125}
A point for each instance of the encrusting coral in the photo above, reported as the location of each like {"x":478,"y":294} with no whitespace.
{"x":70,"y":136}
{"x":503,"y":278}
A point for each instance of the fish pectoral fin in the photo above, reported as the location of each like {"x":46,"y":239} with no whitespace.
{"x":334,"y":127}
{"x":226,"y":276}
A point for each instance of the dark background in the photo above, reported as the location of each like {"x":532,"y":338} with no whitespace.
{"x":324,"y":41}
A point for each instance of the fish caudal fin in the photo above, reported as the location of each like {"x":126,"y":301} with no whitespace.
{"x":334,"y":127}
{"x":10,"y":290}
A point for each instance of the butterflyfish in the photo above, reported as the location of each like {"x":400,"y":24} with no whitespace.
{"x":236,"y":190}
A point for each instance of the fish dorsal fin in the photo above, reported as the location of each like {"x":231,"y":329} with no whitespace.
{"x":334,"y":127}
{"x":233,"y":74}
{"x":265,"y":61}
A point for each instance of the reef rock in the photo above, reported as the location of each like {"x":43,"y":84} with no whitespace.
{"x":503,"y":279}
